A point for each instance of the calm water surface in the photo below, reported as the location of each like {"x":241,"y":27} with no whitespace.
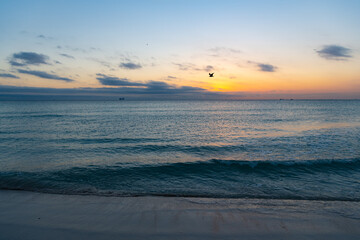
{"x":239,"y":149}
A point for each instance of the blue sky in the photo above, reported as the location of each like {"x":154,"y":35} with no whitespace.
{"x":257,"y":49}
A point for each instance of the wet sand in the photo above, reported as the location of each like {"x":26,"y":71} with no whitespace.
{"x":28,"y":215}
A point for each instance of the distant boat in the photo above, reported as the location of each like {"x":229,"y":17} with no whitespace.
{"x":121,"y":99}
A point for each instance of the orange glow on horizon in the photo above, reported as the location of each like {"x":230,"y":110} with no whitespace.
{"x":314,"y":84}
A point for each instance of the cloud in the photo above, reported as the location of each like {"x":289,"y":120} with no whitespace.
{"x":115,"y":81}
{"x":41,"y":36}
{"x":223,"y":52}
{"x":77,"y":49}
{"x":165,"y":93}
{"x":154,"y":90}
{"x":130,"y":65}
{"x":193,"y":67}
{"x":217,"y":51}
{"x":149,"y":87}
{"x":266,"y":67}
{"x":171,"y":77}
{"x":45,"y":75}
{"x":334,"y":52}
{"x":157,"y":85}
{"x":184,"y":66}
{"x":209,"y":68}
{"x":67,"y":55}
{"x":8,"y":75}
{"x":28,"y":58}
{"x":224,"y":49}
{"x":106,"y":64}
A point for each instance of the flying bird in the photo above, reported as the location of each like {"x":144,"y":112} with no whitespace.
{"x":211,"y":74}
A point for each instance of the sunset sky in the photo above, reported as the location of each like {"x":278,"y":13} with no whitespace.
{"x":162,"y":49}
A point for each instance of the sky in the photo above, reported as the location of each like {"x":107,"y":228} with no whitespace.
{"x":163,"y":49}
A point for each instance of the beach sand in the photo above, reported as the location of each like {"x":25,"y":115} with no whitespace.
{"x":28,"y":215}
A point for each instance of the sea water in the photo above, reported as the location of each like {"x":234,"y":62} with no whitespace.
{"x":222,"y":149}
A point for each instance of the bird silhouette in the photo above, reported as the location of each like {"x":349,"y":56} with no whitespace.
{"x":211,"y":74}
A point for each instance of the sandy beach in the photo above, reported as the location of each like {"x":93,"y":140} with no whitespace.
{"x":28,"y":215}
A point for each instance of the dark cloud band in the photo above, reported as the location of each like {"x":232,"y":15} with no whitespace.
{"x":150,"y":87}
{"x":155,"y":90}
{"x":115,"y":81}
{"x":8,"y":75}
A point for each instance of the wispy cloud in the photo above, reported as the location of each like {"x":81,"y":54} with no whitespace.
{"x":45,"y":75}
{"x":115,"y":81}
{"x":77,"y":49}
{"x":223,"y":51}
{"x":41,"y":36}
{"x":103,"y":63}
{"x":193,"y":67}
{"x":130,"y":65}
{"x":334,"y":52}
{"x":67,"y":55}
{"x":184,"y":66}
{"x":8,"y":75}
{"x":209,"y":68}
{"x":28,"y":58}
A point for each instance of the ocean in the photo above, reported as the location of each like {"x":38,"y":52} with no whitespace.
{"x":301,"y":149}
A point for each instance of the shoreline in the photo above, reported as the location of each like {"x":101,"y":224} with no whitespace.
{"x":31,"y":215}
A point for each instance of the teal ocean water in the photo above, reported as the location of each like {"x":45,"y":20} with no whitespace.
{"x":224,"y":149}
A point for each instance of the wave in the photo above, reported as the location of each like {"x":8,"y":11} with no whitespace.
{"x":33,"y":116}
{"x":308,"y":180}
{"x":320,"y":164}
{"x":138,"y":145}
{"x":105,"y":140}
